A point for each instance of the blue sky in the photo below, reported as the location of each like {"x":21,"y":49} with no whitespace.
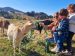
{"x":47,"y":6}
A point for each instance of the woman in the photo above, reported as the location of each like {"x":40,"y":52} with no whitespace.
{"x":52,"y":26}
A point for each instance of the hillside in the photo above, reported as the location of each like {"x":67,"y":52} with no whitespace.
{"x":10,"y":13}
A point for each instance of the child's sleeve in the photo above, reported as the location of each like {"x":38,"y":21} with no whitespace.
{"x":64,"y":25}
{"x":72,"y":20}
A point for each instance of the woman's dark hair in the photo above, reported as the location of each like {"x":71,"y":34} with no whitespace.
{"x":63,"y":12}
{"x":56,"y":15}
{"x":72,"y":6}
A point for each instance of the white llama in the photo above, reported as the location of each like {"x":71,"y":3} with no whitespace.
{"x":16,"y":34}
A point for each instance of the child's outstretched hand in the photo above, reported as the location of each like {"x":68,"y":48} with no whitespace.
{"x":42,"y":24}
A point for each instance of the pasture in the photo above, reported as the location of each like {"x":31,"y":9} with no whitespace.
{"x":32,"y":45}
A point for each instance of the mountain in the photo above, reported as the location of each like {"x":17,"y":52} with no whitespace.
{"x":11,"y":13}
{"x":7,"y":9}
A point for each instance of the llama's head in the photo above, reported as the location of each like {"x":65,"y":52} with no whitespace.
{"x":29,"y":24}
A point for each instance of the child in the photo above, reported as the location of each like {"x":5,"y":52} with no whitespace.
{"x":71,"y":10}
{"x":62,"y":30}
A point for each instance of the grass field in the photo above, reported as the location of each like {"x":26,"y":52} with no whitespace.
{"x":34,"y":46}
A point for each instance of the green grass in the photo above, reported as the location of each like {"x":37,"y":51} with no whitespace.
{"x":31,"y":48}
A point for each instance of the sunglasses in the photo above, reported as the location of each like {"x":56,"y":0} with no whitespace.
{"x":55,"y":17}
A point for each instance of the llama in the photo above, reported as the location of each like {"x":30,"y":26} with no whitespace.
{"x":16,"y":34}
{"x":4,"y":24}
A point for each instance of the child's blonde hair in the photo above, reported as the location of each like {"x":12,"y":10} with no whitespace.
{"x":72,"y":7}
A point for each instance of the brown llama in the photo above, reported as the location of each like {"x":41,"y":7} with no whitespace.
{"x":4,"y":25}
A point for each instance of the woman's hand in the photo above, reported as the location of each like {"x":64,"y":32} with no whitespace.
{"x":54,"y":28}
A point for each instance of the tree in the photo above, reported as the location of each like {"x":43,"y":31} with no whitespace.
{"x":50,"y":16}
